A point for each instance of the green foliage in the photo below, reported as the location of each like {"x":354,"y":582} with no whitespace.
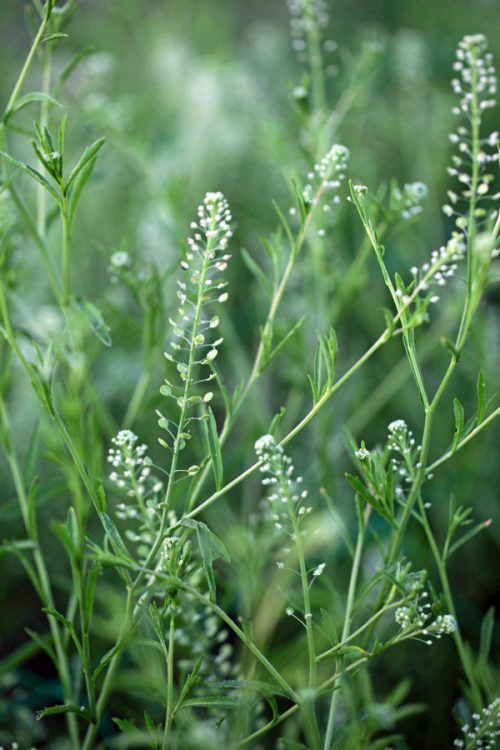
{"x":159,"y":596}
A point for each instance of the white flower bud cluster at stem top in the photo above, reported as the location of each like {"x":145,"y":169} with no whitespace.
{"x":205,"y":261}
{"x":199,"y":633}
{"x":131,"y":472}
{"x":415,"y":621}
{"x":475,"y":84}
{"x":308,"y":16}
{"x":284,"y":488}
{"x":279,"y":470}
{"x":286,"y":495}
{"x":441,"y":267}
{"x":326,"y":178}
{"x":484,"y":732}
{"x":408,"y":200}
{"x":402,"y":443}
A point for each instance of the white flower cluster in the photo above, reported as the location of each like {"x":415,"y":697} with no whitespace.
{"x":279,"y":470}
{"x":327,"y":175}
{"x":475,"y":84}
{"x":414,"y":621}
{"x":402,"y":443}
{"x":474,"y":66}
{"x":442,"y":265}
{"x":407,"y":201}
{"x":362,"y":453}
{"x":132,"y":474}
{"x":307,"y":16}
{"x":205,"y":260}
{"x":485,"y":730}
{"x":120,"y":259}
{"x":199,"y":633}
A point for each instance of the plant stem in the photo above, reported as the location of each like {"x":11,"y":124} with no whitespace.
{"x":66,"y":254}
{"x":170,"y":686}
{"x":471,"y":435}
{"x":457,"y":635}
{"x":353,"y":582}
{"x":29,"y":520}
{"x":107,"y":684}
{"x":27,"y":64}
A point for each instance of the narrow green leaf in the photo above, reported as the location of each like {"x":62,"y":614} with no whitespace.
{"x":80,"y":183}
{"x":114,"y":537}
{"x":89,"y":155}
{"x":124,"y":725}
{"x":67,"y":624}
{"x":318,"y":368}
{"x":71,"y":66}
{"x":481,"y":397}
{"x":32,"y":173}
{"x":257,"y":271}
{"x":458,"y":411}
{"x":284,"y":341}
{"x":468,"y":536}
{"x":213,"y":701}
{"x":95,"y":320}
{"x":214,"y":448}
{"x":66,"y":708}
{"x":211,"y":548}
{"x":191,"y":680}
{"x":33,"y":96}
{"x":285,"y":224}
{"x":53,"y":37}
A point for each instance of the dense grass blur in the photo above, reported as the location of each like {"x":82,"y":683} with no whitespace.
{"x":196,"y":96}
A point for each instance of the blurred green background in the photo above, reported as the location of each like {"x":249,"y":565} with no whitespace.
{"x":198,"y":95}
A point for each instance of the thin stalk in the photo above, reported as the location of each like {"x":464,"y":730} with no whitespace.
{"x":44,"y":111}
{"x":472,"y":434}
{"x":62,"y":665}
{"x":107,"y":684}
{"x":293,"y":709}
{"x":373,"y":619}
{"x":310,"y":719}
{"x":65,"y":251}
{"x":170,"y":686}
{"x":136,"y":398}
{"x":31,"y":54}
{"x":457,"y":635}
{"x":351,"y":594}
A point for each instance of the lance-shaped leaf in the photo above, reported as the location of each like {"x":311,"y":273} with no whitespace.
{"x":214,"y":448}
{"x":211,"y":548}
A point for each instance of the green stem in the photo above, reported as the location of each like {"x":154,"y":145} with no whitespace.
{"x":107,"y":684}
{"x":170,"y":686}
{"x":65,"y":252}
{"x":472,"y":434}
{"x":457,"y":635}
{"x":29,"y":521}
{"x":44,"y":111}
{"x":353,"y":582}
{"x":27,"y":64}
{"x":136,"y":398}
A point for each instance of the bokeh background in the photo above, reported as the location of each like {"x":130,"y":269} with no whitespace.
{"x":198,"y":95}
